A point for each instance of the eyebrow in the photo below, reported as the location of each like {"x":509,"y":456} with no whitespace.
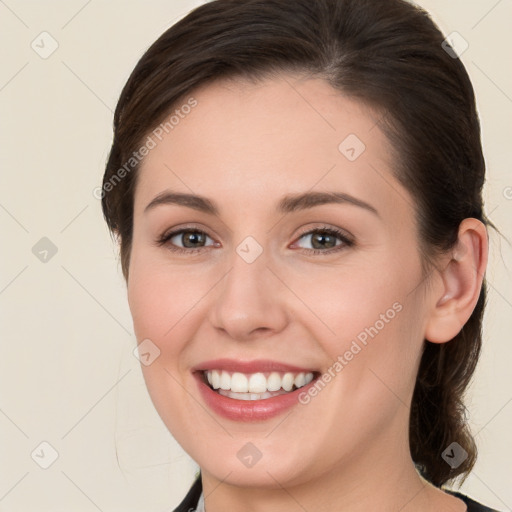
{"x":288,"y":204}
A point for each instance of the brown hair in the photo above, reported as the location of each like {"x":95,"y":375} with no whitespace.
{"x":385,"y":53}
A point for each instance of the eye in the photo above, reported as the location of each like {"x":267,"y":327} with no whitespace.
{"x":193,"y":240}
{"x":324,"y":240}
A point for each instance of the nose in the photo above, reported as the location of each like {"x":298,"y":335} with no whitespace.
{"x":250,"y":300}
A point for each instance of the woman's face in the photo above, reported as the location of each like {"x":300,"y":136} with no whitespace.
{"x":261,"y":283}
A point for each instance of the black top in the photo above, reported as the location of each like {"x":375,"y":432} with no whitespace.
{"x":192,"y":497}
{"x":473,"y":506}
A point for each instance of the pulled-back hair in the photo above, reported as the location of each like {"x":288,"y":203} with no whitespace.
{"x":387,"y":54}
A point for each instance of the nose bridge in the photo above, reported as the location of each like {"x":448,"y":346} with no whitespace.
{"x":247,"y":300}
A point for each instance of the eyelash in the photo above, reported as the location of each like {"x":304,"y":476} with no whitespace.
{"x":347,"y":242}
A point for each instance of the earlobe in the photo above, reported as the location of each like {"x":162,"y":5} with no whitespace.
{"x":460,"y":283}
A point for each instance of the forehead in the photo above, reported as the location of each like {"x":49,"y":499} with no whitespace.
{"x":260,"y":140}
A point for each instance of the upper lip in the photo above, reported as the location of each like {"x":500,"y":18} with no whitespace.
{"x":255,"y":366}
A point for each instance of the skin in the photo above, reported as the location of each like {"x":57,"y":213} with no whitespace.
{"x":244,"y":147}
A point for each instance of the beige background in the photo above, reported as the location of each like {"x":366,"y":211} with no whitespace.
{"x":67,"y":373}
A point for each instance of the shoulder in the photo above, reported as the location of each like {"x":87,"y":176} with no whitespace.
{"x":473,"y":506}
{"x":191,"y":500}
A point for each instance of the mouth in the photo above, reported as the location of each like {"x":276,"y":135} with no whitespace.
{"x":248,"y":391}
{"x":255,"y":386}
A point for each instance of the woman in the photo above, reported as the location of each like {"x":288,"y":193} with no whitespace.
{"x":296,"y":189}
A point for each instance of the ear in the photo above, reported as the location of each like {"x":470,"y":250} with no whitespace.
{"x":458,"y":285}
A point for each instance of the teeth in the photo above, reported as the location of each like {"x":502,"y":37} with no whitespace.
{"x":225,"y":381}
{"x":256,"y":385}
{"x":274,"y":381}
{"x":300,"y":380}
{"x":251,"y":396}
{"x":215,"y":380}
{"x":239,"y":383}
{"x":288,"y":379}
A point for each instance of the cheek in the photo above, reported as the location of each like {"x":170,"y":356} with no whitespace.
{"x":353,"y":297}
{"x":162,"y":299}
{"x":163,"y":307}
{"x":369,"y":322}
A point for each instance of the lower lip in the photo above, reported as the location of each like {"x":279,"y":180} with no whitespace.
{"x":248,"y":410}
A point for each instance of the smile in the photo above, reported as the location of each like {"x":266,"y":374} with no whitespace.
{"x":256,"y":386}
{"x":249,"y":391}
